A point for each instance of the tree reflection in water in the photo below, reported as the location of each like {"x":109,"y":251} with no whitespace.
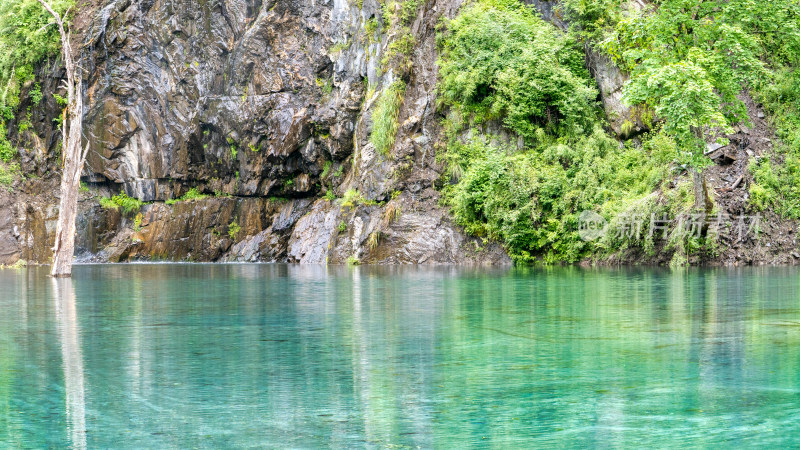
{"x":72,"y":357}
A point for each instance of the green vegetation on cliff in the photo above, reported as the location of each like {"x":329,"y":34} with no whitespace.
{"x":777,"y":179}
{"x":121,"y":200}
{"x":384,"y":118}
{"x":507,"y":73}
{"x":27,"y":36}
{"x":689,"y":61}
{"x":502,"y":63}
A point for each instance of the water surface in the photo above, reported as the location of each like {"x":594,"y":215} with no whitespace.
{"x":219,"y":356}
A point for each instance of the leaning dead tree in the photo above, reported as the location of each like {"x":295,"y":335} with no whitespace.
{"x":74,"y":157}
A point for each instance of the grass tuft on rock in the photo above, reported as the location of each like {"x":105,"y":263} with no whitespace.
{"x":385,"y":116}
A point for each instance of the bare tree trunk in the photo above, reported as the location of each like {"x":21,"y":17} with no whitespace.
{"x":73,"y":155}
{"x":702,"y":202}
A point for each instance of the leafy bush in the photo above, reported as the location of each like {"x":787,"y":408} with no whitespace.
{"x":351,"y":198}
{"x":234,"y":229}
{"x":589,"y":19}
{"x":500,"y":61}
{"x":689,"y":60}
{"x":530,"y":201}
{"x":108,"y":203}
{"x":27,"y":36}
{"x":7,"y":150}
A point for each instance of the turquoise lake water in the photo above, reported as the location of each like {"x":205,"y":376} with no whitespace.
{"x":232,"y":356}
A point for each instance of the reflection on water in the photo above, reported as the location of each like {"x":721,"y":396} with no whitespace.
{"x":175,"y":356}
{"x":65,"y":309}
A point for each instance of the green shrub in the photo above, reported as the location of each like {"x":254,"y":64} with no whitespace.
{"x":398,"y":52}
{"x":121,"y":200}
{"x":690,"y":60}
{"x":7,"y":150}
{"x":530,"y":201}
{"x":191,"y":195}
{"x":384,"y":118}
{"x":8,"y":173}
{"x":589,"y":19}
{"x":501,"y":62}
{"x":27,"y":36}
{"x":108,"y":203}
{"x":234,"y":229}
{"x":26,"y":33}
{"x":351,"y":198}
{"x":36,"y":94}
{"x":408,"y":11}
{"x":688,"y":63}
{"x":62,"y":101}
{"x":777,"y":186}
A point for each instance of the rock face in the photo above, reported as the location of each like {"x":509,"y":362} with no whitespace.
{"x":235,"y":96}
{"x":265,"y":106}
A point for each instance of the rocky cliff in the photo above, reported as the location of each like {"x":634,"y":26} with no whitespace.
{"x":266,"y":107}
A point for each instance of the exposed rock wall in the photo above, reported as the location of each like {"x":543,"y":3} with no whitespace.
{"x":265,"y":106}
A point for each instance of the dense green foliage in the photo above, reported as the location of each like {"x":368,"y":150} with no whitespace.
{"x":27,"y":36}
{"x":777,"y":179}
{"x":502,"y":63}
{"x":531,"y":200}
{"x":688,"y":62}
{"x":589,"y":19}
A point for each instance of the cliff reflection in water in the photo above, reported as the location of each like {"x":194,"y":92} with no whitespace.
{"x":275,"y":355}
